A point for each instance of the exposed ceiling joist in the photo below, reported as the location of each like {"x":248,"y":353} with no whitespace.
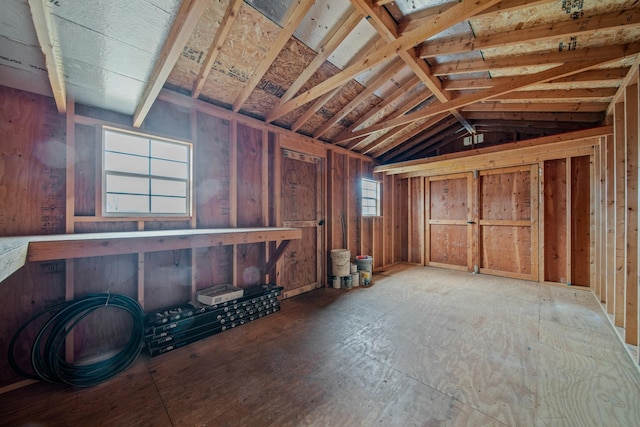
{"x":515,"y":84}
{"x":339,"y":33}
{"x":183,"y":25}
{"x":387,"y":28}
{"x":590,"y":76}
{"x":560,"y":94}
{"x":48,"y":40}
{"x":458,"y":13}
{"x":633,"y":73}
{"x":572,"y":27}
{"x":418,"y":19}
{"x":321,"y":101}
{"x":554,"y":117}
{"x":390,"y":70}
{"x":432,"y":126}
{"x":216,"y":45}
{"x":391,"y":98}
{"x":297,"y":11}
{"x":578,"y":107}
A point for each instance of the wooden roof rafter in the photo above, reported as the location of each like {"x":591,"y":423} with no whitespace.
{"x":509,"y":86}
{"x":584,"y":26}
{"x":49,"y":44}
{"x":185,"y":22}
{"x":321,"y":101}
{"x":393,"y":68}
{"x":543,"y":58}
{"x":296,"y":14}
{"x":337,"y":36}
{"x":216,"y":45}
{"x":457,"y":13}
{"x":387,"y":28}
{"x":589,"y":76}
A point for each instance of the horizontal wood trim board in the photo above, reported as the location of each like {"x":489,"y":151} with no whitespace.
{"x":523,"y":168}
{"x":526,"y":156}
{"x":448,"y":266}
{"x":300,"y":224}
{"x":300,"y":290}
{"x":505,"y":274}
{"x":563,"y":141}
{"x":68,"y":246}
{"x":505,"y":223}
{"x":448,"y":221}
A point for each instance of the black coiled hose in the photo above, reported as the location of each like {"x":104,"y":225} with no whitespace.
{"x":47,"y":351}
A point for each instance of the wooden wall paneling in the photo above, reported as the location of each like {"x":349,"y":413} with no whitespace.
{"x":70,"y":214}
{"x":472,"y":228}
{"x":167,"y":278}
{"x":580,"y":209}
{"x":631,"y":294}
{"x":610,"y":249}
{"x":621,"y":215}
{"x":594,"y":225}
{"x":29,"y":290}
{"x":33,"y":166}
{"x":535,"y":209}
{"x":212,"y":172}
{"x":400,"y":217}
{"x":233,"y":194}
{"x":569,"y":219}
{"x":449,"y":214}
{"x":475,"y":218}
{"x":85,"y":173}
{"x":506,"y":220}
{"x":275,"y":197}
{"x":338,"y":202}
{"x":330,"y":223}
{"x":403,"y":189}
{"x":353,"y":202}
{"x":387,"y":219}
{"x":602,"y":224}
{"x":427,"y":217}
{"x":416,"y":219}
{"x":320,"y":214}
{"x":541,"y":223}
{"x":555,"y":221}
{"x":250,"y":257}
{"x":169,"y":119}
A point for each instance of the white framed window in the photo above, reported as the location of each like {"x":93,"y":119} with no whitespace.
{"x":144,"y":175}
{"x":370,"y":197}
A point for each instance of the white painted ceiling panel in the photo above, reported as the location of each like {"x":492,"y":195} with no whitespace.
{"x":320,"y":20}
{"x":136,"y":23}
{"x":408,"y":7}
{"x":16,"y":23}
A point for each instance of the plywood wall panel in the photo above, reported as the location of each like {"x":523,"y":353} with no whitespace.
{"x":506,"y":249}
{"x":85,"y":164}
{"x":300,"y":261}
{"x":167,"y":277}
{"x":400,"y":203}
{"x":403,"y":189}
{"x":506,"y":196}
{"x":555,"y":221}
{"x":353,"y":200}
{"x":449,"y":199}
{"x":214,"y":266}
{"x":104,"y":329}
{"x":32,"y":165}
{"x":168,"y":119}
{"x":416,"y":220}
{"x":250,"y":264}
{"x":299,"y":179}
{"x":449,"y":244}
{"x":580,"y":221}
{"x":338,"y":214}
{"x":249,"y":191}
{"x":212,"y":174}
{"x":387,"y":219}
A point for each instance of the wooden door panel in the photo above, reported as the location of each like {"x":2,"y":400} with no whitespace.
{"x":507,"y":226}
{"x":448,"y":221}
{"x":301,"y":191}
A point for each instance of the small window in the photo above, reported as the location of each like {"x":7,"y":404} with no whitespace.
{"x":145,"y":175}
{"x":370,"y":197}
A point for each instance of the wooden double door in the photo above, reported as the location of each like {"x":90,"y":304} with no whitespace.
{"x":484,"y":221}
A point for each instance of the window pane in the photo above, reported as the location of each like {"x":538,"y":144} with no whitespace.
{"x":168,"y":204}
{"x":125,"y":143}
{"x":167,"y":150}
{"x":169,"y":169}
{"x":127,"y":203}
{"x":127,"y":184}
{"x":163,"y":187}
{"x":126,"y":163}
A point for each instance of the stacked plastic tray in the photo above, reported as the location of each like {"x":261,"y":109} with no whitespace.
{"x":174,"y":327}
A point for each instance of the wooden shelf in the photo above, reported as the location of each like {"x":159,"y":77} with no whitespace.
{"x":16,"y":251}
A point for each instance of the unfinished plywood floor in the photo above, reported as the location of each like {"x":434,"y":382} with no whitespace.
{"x":422,"y":346}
